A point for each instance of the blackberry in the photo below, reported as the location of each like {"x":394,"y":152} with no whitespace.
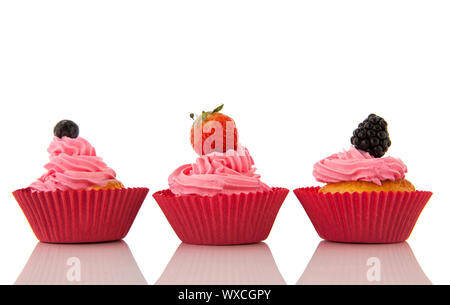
{"x":372,"y":136}
{"x":66,"y":128}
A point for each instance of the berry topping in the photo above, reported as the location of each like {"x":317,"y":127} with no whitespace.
{"x":213,"y":131}
{"x":66,"y":128}
{"x":372,"y":136}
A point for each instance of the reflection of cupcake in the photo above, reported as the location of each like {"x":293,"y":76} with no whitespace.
{"x":227,"y":265}
{"x":90,"y":264}
{"x":219,"y":199}
{"x":79,"y":199}
{"x":342,"y":264}
{"x":367,"y":198}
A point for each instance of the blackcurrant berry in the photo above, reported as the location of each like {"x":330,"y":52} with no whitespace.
{"x":66,"y":128}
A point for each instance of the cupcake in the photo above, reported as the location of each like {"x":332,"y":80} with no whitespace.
{"x":219,"y":199}
{"x":366,"y":197}
{"x":78,"y":199}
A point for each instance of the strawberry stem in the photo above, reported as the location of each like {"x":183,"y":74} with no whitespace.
{"x":218,"y":109}
{"x":205,"y":114}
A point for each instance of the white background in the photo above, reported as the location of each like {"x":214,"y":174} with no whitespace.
{"x":297,"y":77}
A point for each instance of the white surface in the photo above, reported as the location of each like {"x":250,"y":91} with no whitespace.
{"x":297,"y":77}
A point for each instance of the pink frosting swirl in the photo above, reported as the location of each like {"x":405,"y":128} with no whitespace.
{"x":218,"y":173}
{"x":357,"y":165}
{"x":73,"y":165}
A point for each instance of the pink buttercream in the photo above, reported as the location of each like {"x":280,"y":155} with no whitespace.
{"x":218,"y":173}
{"x":357,"y":165}
{"x":73,"y":165}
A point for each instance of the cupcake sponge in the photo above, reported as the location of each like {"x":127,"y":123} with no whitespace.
{"x":400,"y":185}
{"x":112,"y":185}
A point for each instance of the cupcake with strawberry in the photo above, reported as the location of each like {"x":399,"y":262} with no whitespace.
{"x":219,"y":199}
{"x":366,"y":197}
{"x":79,"y":198}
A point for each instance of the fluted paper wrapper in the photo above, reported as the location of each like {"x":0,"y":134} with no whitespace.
{"x":81,"y":216}
{"x":375,"y":217}
{"x":222,"y":219}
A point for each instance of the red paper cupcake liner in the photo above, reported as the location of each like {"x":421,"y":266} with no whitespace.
{"x":375,"y":217}
{"x":81,"y":216}
{"x":222,"y":219}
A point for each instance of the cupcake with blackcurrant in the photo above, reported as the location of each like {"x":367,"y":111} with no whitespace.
{"x":366,"y":197}
{"x":79,"y":198}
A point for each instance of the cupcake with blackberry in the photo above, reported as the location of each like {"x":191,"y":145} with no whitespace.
{"x":79,"y":198}
{"x":219,"y":199}
{"x":367,"y":198}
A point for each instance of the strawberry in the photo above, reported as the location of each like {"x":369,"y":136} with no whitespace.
{"x":212,"y":128}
